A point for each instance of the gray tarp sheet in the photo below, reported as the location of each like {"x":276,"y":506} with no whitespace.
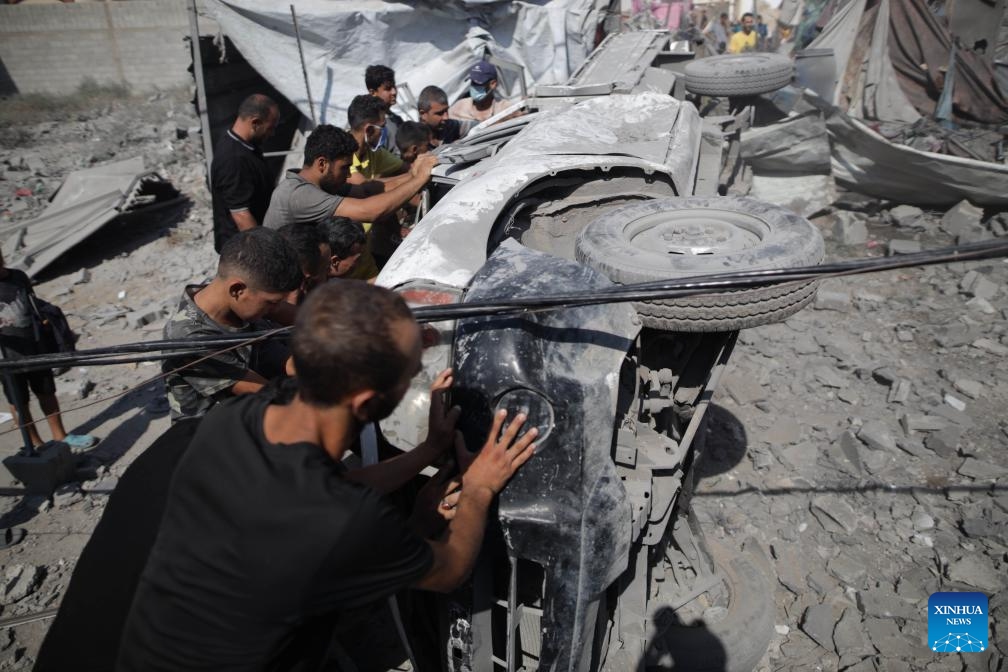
{"x":787,"y":156}
{"x":864,"y":161}
{"x":87,"y":200}
{"x":425,"y":42}
{"x":893,"y":72}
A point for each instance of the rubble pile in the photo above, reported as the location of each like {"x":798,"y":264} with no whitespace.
{"x":862,"y":443}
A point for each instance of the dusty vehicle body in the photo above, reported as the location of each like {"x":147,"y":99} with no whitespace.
{"x":595,"y":552}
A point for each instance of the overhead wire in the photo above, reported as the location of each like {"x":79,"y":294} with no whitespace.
{"x":648,"y":291}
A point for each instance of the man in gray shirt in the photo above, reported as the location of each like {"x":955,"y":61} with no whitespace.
{"x":309,"y":195}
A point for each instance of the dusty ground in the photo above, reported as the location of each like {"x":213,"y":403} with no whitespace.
{"x":862,"y":442}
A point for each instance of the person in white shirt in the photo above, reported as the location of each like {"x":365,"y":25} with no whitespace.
{"x":482,"y":102}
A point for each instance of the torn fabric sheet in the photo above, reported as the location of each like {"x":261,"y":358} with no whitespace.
{"x":425,"y":42}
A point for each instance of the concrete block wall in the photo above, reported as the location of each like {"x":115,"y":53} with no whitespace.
{"x":53,"y":48}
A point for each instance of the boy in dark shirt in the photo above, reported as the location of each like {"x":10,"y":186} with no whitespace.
{"x":258,"y":269}
{"x":380,"y":82}
{"x":347,"y":242}
{"x":413,"y":140}
{"x":266,"y":541}
{"x":18,"y":339}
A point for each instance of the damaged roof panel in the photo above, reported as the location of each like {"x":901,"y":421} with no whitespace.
{"x":87,"y":200}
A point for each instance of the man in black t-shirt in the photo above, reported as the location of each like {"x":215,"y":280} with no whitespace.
{"x":266,"y":540}
{"x":241,"y":183}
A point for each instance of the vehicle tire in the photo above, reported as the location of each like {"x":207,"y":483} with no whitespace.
{"x":747,"y":74}
{"x":672,"y":238}
{"x":736,"y":637}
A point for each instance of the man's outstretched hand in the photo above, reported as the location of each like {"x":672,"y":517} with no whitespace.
{"x":501,"y":455}
{"x":423,"y":166}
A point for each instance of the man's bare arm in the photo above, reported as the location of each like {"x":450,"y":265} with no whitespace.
{"x":375,"y":207}
{"x":455,"y":552}
{"x":250,"y":384}
{"x":244,"y":220}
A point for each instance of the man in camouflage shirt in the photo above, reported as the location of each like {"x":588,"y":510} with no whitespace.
{"x":258,"y":269}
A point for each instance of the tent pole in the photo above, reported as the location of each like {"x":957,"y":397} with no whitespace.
{"x":304,"y":69}
{"x":197,"y":56}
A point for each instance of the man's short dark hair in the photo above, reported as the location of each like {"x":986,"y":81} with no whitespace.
{"x":330,"y":143}
{"x":306,"y":241}
{"x":724,"y":15}
{"x":342,"y":233}
{"x":376,"y":75}
{"x":263,"y":258}
{"x":429,"y":96}
{"x":750,"y":15}
{"x":364,"y":109}
{"x":257,"y":106}
{"x":343,"y":341}
{"x":412,"y":133}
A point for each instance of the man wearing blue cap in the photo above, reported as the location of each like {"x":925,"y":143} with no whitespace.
{"x":482,"y":102}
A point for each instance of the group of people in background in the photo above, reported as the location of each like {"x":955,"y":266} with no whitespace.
{"x":340,"y":215}
{"x":721,"y":36}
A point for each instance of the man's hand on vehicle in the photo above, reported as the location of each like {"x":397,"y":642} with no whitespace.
{"x":423,"y":166}
{"x":501,"y":455}
{"x":440,"y":422}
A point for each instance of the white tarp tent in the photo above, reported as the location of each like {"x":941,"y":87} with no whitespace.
{"x":425,"y":42}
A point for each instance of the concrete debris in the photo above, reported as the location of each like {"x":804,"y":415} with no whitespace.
{"x":83,"y":276}
{"x":955,"y":402}
{"x":899,"y":392}
{"x":970,"y":388}
{"x":905,"y":216}
{"x":975,"y":570}
{"x":975,"y":284}
{"x":944,"y":442}
{"x":818,"y":623}
{"x":922,"y":423}
{"x":20,"y":581}
{"x":960,"y":218}
{"x":982,"y":305}
{"x":834,"y":514}
{"x":980,"y":470}
{"x":826,"y":300}
{"x":904,"y":247}
{"x":876,"y":436}
{"x":993,"y":347}
{"x":848,"y":635}
{"x":849,"y":228}
{"x":922,"y":521}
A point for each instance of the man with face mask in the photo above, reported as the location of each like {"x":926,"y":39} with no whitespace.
{"x":482,"y":102}
{"x":267,"y":541}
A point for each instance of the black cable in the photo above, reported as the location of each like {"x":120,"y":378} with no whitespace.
{"x":648,"y":291}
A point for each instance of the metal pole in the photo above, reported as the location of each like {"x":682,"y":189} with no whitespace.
{"x":197,"y":55}
{"x":304,"y":69}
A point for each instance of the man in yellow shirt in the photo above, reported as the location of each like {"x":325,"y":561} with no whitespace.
{"x":745,"y":39}
{"x":378,"y":168}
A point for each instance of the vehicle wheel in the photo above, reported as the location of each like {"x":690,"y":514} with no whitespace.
{"x":732,"y":638}
{"x":673,"y":238}
{"x":738,"y":74}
